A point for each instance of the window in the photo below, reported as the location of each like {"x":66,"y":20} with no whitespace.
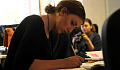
{"x":44,"y":3}
{"x":14,"y":11}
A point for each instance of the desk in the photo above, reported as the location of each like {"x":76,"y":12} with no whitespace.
{"x":97,"y":55}
{"x":86,"y":66}
{"x":3,"y":56}
{"x":2,"y":59}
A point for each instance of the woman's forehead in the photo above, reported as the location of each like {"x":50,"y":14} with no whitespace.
{"x":86,"y":23}
{"x":77,"y":19}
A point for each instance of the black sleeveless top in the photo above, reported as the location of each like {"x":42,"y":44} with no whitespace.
{"x":29,"y":42}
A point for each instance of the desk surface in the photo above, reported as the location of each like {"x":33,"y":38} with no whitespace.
{"x":86,"y":66}
{"x":89,"y":65}
{"x":3,"y":56}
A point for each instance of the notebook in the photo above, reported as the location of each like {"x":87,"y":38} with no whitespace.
{"x":95,"y":55}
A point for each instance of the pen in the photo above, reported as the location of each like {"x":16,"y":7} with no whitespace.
{"x":73,"y":50}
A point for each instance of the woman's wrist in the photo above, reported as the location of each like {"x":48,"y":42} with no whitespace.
{"x":90,"y":45}
{"x":88,"y":40}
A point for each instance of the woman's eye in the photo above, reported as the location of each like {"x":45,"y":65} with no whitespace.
{"x":85,"y":25}
{"x":72,"y":23}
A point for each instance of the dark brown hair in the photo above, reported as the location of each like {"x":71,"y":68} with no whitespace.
{"x":90,"y":22}
{"x":73,"y":6}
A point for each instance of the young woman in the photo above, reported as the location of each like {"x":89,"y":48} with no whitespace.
{"x":90,"y":40}
{"x":30,"y":47}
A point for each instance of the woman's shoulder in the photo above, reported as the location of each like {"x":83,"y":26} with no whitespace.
{"x":96,"y":35}
{"x":31,"y":22}
{"x":33,"y":17}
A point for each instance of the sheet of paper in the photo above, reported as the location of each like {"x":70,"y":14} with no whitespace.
{"x":89,"y":65}
{"x":95,"y":55}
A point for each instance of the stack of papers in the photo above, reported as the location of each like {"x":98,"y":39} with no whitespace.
{"x":95,"y":55}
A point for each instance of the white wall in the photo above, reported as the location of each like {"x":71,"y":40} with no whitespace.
{"x":112,"y":6}
{"x":99,"y":10}
{"x":14,"y":11}
{"x":96,"y":11}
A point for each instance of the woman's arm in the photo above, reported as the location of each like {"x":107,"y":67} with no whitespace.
{"x":71,"y":62}
{"x":90,"y":44}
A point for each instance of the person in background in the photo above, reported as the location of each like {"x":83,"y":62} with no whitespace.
{"x":90,"y":40}
{"x":30,"y":47}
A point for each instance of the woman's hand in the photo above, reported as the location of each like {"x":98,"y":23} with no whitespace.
{"x":85,"y":37}
{"x":89,"y":43}
{"x":72,"y":62}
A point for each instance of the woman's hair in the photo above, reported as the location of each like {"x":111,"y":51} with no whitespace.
{"x":73,"y":7}
{"x":90,"y":22}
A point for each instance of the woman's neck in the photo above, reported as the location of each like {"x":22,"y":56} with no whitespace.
{"x":52,"y":21}
{"x":89,"y":33}
{"x":49,"y":23}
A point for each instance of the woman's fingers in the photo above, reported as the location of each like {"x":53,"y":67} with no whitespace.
{"x":80,"y":58}
{"x":74,"y":61}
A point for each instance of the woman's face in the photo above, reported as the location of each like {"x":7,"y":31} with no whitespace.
{"x":67,"y":22}
{"x":86,"y":27}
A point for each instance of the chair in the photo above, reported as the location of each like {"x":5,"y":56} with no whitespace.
{"x":2,"y":30}
{"x":96,"y":27}
{"x":7,"y":36}
{"x":111,"y":41}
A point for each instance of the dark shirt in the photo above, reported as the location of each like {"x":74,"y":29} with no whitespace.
{"x":61,"y":45}
{"x":29,"y":42}
{"x":96,"y":41}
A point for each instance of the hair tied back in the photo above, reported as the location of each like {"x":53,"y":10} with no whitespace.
{"x":49,"y":9}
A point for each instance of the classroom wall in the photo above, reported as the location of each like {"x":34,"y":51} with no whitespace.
{"x":95,"y":10}
{"x":112,"y":6}
{"x":99,"y":10}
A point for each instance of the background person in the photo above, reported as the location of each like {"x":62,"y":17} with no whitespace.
{"x":90,"y":39}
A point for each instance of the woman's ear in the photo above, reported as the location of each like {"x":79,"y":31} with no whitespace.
{"x":63,"y":11}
